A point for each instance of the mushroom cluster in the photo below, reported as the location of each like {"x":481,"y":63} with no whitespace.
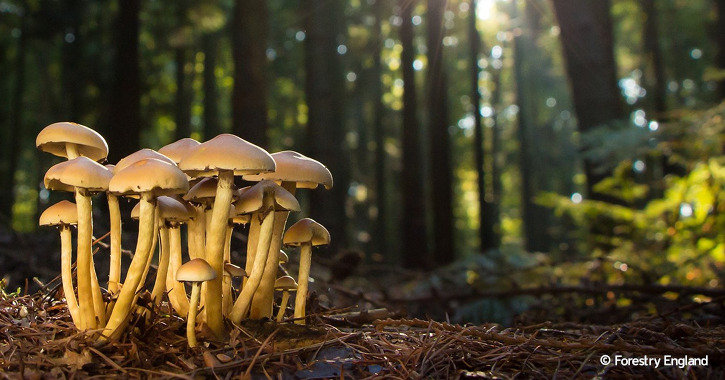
{"x":191,"y":183}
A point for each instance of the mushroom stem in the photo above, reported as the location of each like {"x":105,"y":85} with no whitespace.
{"x":83,"y":264}
{"x":283,"y":305}
{"x":215,"y":251}
{"x":262,"y":305}
{"x":114,"y":273}
{"x":161,"y":273}
{"x":252,"y":239}
{"x":152,"y":249}
{"x":66,"y":251}
{"x":199,"y":233}
{"x":227,"y":281}
{"x":99,"y":307}
{"x":241,"y":306}
{"x":177,"y":294}
{"x":301,"y":298}
{"x":191,"y":319}
{"x":125,"y":301}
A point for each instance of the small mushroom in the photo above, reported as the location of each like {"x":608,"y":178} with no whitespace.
{"x":230,"y":271}
{"x":285,"y":284}
{"x":194,"y":271}
{"x":171,"y":213}
{"x":64,"y":214}
{"x":305,"y":234}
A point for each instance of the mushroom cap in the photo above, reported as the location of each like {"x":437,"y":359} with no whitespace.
{"x":285,"y":283}
{"x":306,"y":231}
{"x":295,"y":167}
{"x":61,"y":213}
{"x":136,"y":211}
{"x":171,"y":210}
{"x":79,"y":172}
{"x":195,"y":270}
{"x":177,"y":150}
{"x":204,"y":192}
{"x":234,"y":270}
{"x":283,"y":257}
{"x":252,"y":199}
{"x":138,"y":156}
{"x":149,"y":175}
{"x":53,"y":139}
{"x":226,"y":152}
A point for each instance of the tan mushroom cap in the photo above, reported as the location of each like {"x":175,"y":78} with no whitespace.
{"x":283,"y":257}
{"x":251,"y":199}
{"x":63,"y":212}
{"x":138,"y":156}
{"x":195,"y":270}
{"x":306,"y":231}
{"x":150,"y":175}
{"x":53,"y":139}
{"x":295,"y":167}
{"x":172,"y":210}
{"x":226,"y":152}
{"x":234,"y":270}
{"x":136,"y":211}
{"x":79,"y":172}
{"x":177,"y":150}
{"x":285,"y":283}
{"x":204,"y":192}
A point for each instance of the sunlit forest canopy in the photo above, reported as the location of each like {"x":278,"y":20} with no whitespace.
{"x":586,"y":136}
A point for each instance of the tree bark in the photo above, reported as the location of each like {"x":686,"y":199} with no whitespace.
{"x":486,"y":232}
{"x":380,"y":235}
{"x":124,"y":133}
{"x":720,"y":40}
{"x":183,"y":95}
{"x":440,"y":162}
{"x":212,"y":127}
{"x":586,"y":36}
{"x":249,"y":95}
{"x":655,"y":63}
{"x":324,"y":91}
{"x":414,"y":228}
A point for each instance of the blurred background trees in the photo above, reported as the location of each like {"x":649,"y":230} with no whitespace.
{"x":454,"y":129}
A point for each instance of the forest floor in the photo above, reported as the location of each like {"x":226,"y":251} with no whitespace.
{"x":38,"y":341}
{"x":385,"y":326}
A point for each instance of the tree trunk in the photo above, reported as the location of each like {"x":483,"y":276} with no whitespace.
{"x":73,"y":78}
{"x":720,"y":40}
{"x":14,"y":129}
{"x":183,"y":95}
{"x":586,"y":36}
{"x":324,"y":91}
{"x":414,"y":228}
{"x":378,"y":115}
{"x":249,"y":95}
{"x":486,"y":232}
{"x":440,"y":161}
{"x":496,"y":184}
{"x":212,"y":127}
{"x":124,"y":133}
{"x":655,"y":64}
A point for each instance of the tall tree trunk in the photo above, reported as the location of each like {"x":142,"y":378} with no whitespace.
{"x":496,"y":184}
{"x":655,"y":63}
{"x":586,"y":36}
{"x":212,"y":127}
{"x":183,"y":94}
{"x":415,"y":250}
{"x":124,"y":134}
{"x":486,"y":232}
{"x":440,"y":161}
{"x":720,"y":40}
{"x":324,"y":91}
{"x":379,"y":132}
{"x":249,"y":95}
{"x":14,"y":129}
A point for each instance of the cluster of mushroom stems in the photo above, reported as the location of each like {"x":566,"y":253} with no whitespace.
{"x":185,"y":182}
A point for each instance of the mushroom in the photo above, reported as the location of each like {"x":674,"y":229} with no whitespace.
{"x":285,"y":284}
{"x":230,"y":271}
{"x":64,"y":214}
{"x":294,"y":171}
{"x":178,"y":149}
{"x":171,"y":213}
{"x":114,"y":214}
{"x":262,"y":199}
{"x":177,"y":295}
{"x":305,"y":234}
{"x":194,"y":271}
{"x":84,"y":177}
{"x":224,"y":156}
{"x":149,"y":179}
